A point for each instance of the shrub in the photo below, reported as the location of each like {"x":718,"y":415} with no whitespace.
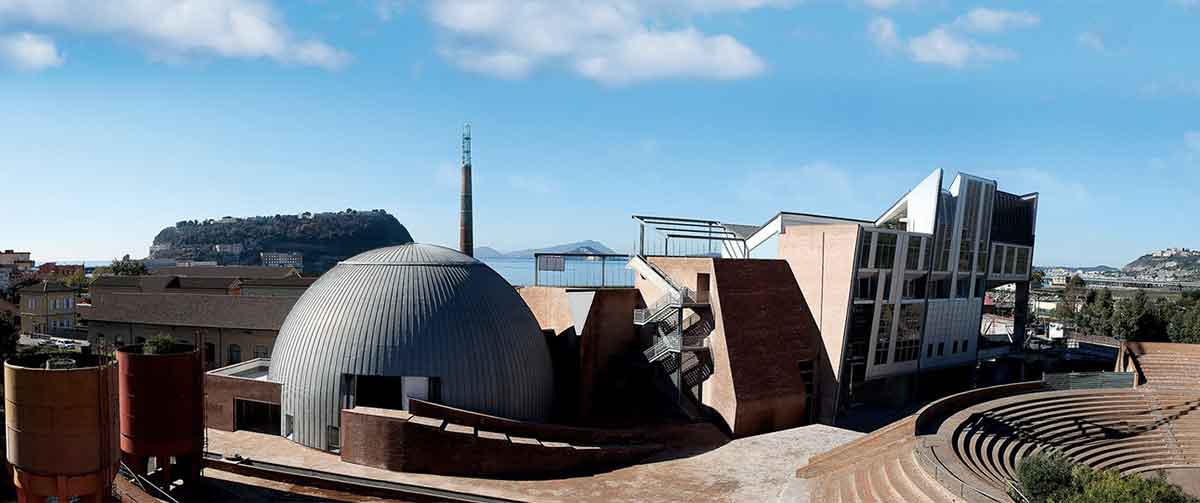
{"x":159,"y":345}
{"x":1052,"y":478}
{"x":1043,"y":474}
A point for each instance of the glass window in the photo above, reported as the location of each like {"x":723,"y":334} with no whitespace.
{"x":883,"y":340}
{"x":908,"y":336}
{"x":962,"y":289}
{"x":1011,"y":263}
{"x":887,"y":287}
{"x":941,"y":348}
{"x":864,"y":251}
{"x":929,"y":350}
{"x":980,"y":287}
{"x":914,"y":288}
{"x":998,"y":260}
{"x":860,"y":331}
{"x":1022,"y":267}
{"x":940,"y":289}
{"x":210,"y":352}
{"x":260,"y":351}
{"x":885,"y":251}
{"x":913,"y":259}
{"x":954,"y":348}
{"x":864,"y":288}
{"x":235,"y":354}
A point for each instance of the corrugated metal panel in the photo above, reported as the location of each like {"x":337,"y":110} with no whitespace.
{"x":1089,"y":380}
{"x":411,"y":310}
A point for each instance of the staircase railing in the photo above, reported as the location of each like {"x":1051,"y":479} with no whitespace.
{"x":664,"y":346}
{"x":655,"y":311}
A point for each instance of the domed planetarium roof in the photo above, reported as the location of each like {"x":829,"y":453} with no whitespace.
{"x":411,"y":310}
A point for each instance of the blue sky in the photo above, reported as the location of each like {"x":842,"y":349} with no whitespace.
{"x":122,"y":117}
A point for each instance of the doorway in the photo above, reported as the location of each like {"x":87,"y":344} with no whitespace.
{"x":259,"y":417}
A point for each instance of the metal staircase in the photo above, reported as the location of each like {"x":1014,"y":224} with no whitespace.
{"x":679,"y":342}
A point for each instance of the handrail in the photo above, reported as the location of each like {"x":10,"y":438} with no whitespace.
{"x":947,"y":479}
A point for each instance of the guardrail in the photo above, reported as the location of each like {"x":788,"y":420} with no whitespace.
{"x":950,"y":481}
{"x":582,"y":270}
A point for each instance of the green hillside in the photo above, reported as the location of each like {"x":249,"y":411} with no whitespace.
{"x":323,"y":238}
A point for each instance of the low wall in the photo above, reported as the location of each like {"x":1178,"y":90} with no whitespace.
{"x":399,"y":441}
{"x":857,"y":449}
{"x":220,"y":392}
{"x":543,"y":431}
{"x":930,"y":417}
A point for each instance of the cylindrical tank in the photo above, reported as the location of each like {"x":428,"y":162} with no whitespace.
{"x":162,"y":408}
{"x":61,"y":425}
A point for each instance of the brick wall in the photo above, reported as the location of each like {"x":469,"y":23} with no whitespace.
{"x":384,"y":439}
{"x":220,"y":392}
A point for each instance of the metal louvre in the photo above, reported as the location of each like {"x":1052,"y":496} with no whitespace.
{"x":411,"y":310}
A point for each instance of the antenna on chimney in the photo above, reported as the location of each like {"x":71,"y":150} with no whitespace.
{"x":466,"y":236}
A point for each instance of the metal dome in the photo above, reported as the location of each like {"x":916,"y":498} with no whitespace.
{"x":410,"y":310}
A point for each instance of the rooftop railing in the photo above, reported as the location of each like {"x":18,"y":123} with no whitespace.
{"x":688,"y":237}
{"x":582,"y":270}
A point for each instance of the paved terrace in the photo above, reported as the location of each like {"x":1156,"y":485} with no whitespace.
{"x":758,"y":468}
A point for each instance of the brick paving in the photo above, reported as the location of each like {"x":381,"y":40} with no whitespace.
{"x":758,"y":468}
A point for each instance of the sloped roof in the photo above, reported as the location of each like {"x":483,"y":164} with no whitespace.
{"x":47,"y":287}
{"x":228,"y":271}
{"x":192,"y":310}
{"x":279,"y":282}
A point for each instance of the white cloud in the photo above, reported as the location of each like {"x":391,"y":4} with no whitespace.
{"x":611,"y":41}
{"x":1192,"y":140}
{"x":1187,"y":4}
{"x":883,"y":32}
{"x":1092,"y":40}
{"x":984,"y":20}
{"x":29,"y":51}
{"x":942,"y":47}
{"x":180,"y":28}
{"x":687,"y":53}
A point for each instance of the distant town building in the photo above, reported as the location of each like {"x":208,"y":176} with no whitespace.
{"x":229,"y":248}
{"x":157,"y":248}
{"x":50,"y":270}
{"x":47,"y":308}
{"x":195,"y":263}
{"x":231,"y":328}
{"x":235,"y":310}
{"x":17,"y":260}
{"x":6,"y":273}
{"x":289,"y":259}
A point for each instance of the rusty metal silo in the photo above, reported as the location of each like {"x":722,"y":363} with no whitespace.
{"x":61,"y":426}
{"x":162,"y":410}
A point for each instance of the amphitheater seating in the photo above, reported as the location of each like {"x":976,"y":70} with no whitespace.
{"x":1170,"y":369}
{"x":967,"y":447}
{"x":890,"y":475}
{"x":1131,"y":431}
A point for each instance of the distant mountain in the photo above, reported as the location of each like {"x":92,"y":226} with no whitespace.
{"x":323,"y":238}
{"x":488,"y":252}
{"x":588,"y":246}
{"x":1175,"y":264}
{"x":1092,"y":269}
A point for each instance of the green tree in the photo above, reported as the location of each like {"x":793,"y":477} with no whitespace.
{"x":127,"y":267}
{"x":159,"y":345}
{"x":1138,"y":319}
{"x":1052,"y":478}
{"x":1043,"y":475}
